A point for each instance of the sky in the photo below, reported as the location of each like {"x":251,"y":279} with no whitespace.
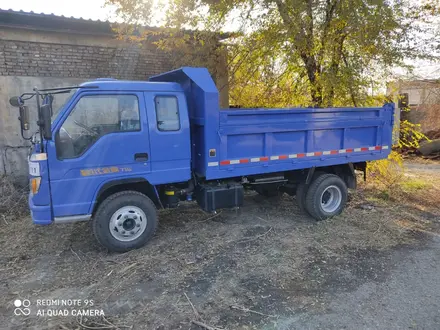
{"x":94,"y":9}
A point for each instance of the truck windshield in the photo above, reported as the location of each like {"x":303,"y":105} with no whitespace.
{"x":59,"y":101}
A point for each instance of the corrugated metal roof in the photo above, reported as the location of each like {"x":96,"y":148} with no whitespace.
{"x":22,"y":12}
{"x":51,"y":22}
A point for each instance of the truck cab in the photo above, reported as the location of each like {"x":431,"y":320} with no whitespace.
{"x":116,"y":132}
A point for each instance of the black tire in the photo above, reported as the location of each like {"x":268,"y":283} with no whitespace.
{"x":313,"y":202}
{"x":115,"y":202}
{"x":301,"y":192}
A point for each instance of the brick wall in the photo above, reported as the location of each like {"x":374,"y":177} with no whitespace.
{"x":23,"y":58}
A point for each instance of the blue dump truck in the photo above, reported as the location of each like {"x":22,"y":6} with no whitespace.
{"x":116,"y":151}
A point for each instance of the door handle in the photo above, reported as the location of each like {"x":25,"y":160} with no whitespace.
{"x":141,"y":157}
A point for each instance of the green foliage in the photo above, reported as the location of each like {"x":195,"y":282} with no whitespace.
{"x":410,"y":135}
{"x":388,"y":177}
{"x":293,"y":52}
{"x":327,"y":51}
{"x":387,"y":174}
{"x":411,"y":185}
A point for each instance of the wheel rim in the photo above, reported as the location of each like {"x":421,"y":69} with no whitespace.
{"x":128,"y":223}
{"x":331,"y":199}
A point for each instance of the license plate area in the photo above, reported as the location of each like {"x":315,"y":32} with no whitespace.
{"x":34,"y":169}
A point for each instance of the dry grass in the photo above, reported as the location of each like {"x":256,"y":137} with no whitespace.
{"x":243,"y":269}
{"x":13,"y":200}
{"x":414,"y":200}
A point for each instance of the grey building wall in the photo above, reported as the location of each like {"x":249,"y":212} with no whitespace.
{"x":43,"y":58}
{"x":424,"y":101}
{"x":14,"y":150}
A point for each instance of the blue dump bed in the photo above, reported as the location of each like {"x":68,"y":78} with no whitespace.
{"x":265,"y":140}
{"x":239,"y":142}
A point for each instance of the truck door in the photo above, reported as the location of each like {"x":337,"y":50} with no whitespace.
{"x":104,"y":137}
{"x":169,"y":136}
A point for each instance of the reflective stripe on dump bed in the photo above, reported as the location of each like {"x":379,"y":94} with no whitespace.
{"x":301,"y":155}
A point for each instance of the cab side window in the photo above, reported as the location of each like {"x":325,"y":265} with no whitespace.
{"x":95,"y":116}
{"x":167,"y":113}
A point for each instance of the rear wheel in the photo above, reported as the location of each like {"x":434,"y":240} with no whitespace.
{"x":326,"y":196}
{"x":124,"y":221}
{"x":301,"y":192}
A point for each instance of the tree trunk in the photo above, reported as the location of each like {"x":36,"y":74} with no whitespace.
{"x":312,"y":71}
{"x":316,"y":96}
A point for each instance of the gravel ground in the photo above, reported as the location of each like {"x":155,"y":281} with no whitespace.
{"x":423,"y":167}
{"x":264,"y":266}
{"x":407,"y":298}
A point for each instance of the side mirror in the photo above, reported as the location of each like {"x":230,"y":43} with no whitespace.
{"x":46,"y":121}
{"x":24,"y":117}
{"x":48,"y":99}
{"x":16,"y":101}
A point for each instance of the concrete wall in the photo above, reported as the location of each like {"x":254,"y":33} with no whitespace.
{"x":14,"y":150}
{"x":424,"y":102}
{"x":44,"y":59}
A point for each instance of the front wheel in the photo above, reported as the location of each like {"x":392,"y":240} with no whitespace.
{"x":124,"y":221}
{"x":326,"y":196}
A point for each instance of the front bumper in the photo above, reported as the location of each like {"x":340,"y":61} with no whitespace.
{"x":41,"y":215}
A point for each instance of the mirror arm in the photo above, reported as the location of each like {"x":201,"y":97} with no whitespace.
{"x":25,"y":138}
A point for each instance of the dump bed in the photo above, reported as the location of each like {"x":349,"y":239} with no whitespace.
{"x":239,"y":142}
{"x":265,"y":140}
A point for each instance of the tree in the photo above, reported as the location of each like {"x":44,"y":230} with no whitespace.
{"x":302,"y":52}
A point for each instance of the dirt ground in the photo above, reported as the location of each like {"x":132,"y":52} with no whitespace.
{"x":260,"y":267}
